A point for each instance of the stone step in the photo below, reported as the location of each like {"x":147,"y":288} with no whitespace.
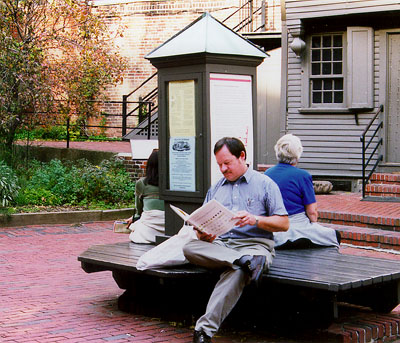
{"x":368,"y":237}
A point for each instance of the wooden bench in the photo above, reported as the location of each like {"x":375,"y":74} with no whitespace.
{"x":321,"y":276}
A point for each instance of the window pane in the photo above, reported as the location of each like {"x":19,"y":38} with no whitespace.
{"x":326,"y":55}
{"x":337,"y":68}
{"x":328,"y":84}
{"x":317,"y":98}
{"x":337,"y":54}
{"x":316,"y":69}
{"x":339,"y":84}
{"x":316,"y":55}
{"x":317,"y":84}
{"x":326,"y":68}
{"x":326,"y":61}
{"x":316,"y":42}
{"x":337,"y":40}
{"x":327,"y":41}
{"x":338,"y":97}
{"x":327,"y":97}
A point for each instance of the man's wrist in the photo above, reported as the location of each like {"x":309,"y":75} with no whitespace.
{"x":257,"y":220}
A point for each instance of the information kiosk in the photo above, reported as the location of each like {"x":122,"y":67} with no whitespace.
{"x":207,"y":90}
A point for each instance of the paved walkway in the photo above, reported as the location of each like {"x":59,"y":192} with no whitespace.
{"x":46,"y":296}
{"x":116,"y":147}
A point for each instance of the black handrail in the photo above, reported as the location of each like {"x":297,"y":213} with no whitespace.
{"x":149,"y":105}
{"x":249,"y":20}
{"x":142,"y":84}
{"x":363,"y":137}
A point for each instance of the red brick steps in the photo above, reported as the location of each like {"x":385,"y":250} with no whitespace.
{"x":368,"y":237}
{"x":361,"y":223}
{"x":383,"y":190}
{"x":383,"y":185}
{"x":365,"y":328}
{"x":383,"y":222}
{"x":385,"y":178}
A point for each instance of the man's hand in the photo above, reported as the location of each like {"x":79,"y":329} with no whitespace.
{"x":203,"y":236}
{"x":272,"y":223}
{"x":244,"y":218}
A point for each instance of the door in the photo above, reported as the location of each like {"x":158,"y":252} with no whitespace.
{"x":393,"y":100}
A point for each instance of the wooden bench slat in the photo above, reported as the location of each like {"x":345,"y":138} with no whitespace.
{"x":343,"y":278}
{"x":389,"y":271}
{"x":327,"y":286}
{"x":329,"y":253}
{"x":335,"y":268}
{"x":327,"y":283}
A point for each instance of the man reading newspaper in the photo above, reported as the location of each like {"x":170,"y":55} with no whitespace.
{"x":245,"y":251}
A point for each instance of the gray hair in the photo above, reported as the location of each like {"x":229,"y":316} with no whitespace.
{"x":288,"y":149}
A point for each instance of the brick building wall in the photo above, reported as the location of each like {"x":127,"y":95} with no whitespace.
{"x":135,"y":168}
{"x":150,"y":23}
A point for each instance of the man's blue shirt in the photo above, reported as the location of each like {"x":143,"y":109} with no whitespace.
{"x":252,"y":192}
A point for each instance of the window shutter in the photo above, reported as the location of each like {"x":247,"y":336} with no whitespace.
{"x":360,"y":83}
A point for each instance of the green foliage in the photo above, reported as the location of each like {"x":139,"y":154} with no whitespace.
{"x":57,"y":133}
{"x":8,"y":184}
{"x":51,"y":132}
{"x":56,"y":183}
{"x":38,"y":196}
{"x":107,"y":182}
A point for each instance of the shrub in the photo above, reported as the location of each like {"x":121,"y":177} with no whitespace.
{"x":38,"y":196}
{"x":8,"y":185}
{"x":53,"y":132}
{"x":57,"y":183}
{"x":108,"y":182}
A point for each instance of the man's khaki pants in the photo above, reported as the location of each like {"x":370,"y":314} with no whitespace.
{"x":219,"y":255}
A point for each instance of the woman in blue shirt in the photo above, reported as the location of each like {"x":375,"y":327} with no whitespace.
{"x":299,"y":198}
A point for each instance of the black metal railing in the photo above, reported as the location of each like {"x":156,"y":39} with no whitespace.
{"x":150,"y":99}
{"x":249,"y":18}
{"x":373,"y":137}
{"x":144,"y":105}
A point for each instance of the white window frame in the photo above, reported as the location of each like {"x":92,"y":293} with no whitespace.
{"x":358,"y":73}
{"x":307,"y":76}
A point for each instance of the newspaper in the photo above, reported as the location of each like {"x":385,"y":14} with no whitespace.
{"x":212,"y":218}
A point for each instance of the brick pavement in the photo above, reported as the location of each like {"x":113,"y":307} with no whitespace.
{"x":46,"y":296}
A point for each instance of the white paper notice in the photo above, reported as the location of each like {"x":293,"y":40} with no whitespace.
{"x":182,"y":164}
{"x":231,"y":113}
{"x":181,"y":111}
